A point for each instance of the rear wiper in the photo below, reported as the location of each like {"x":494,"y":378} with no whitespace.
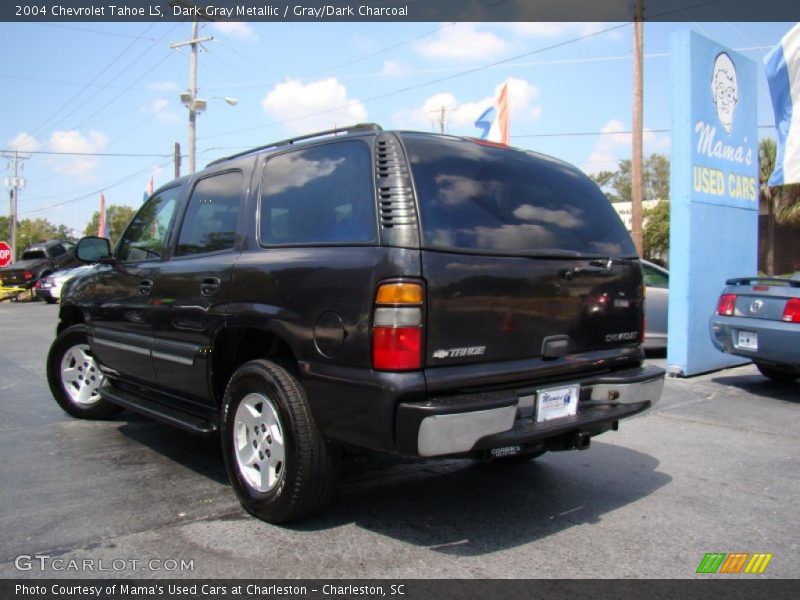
{"x":596,"y":267}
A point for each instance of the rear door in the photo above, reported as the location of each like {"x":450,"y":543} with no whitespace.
{"x":190,"y":290}
{"x":522,"y":254}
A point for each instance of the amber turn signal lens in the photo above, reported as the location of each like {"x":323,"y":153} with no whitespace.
{"x":399,"y":293}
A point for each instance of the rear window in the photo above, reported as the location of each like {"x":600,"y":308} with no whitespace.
{"x":478,"y":197}
{"x":33,"y":255}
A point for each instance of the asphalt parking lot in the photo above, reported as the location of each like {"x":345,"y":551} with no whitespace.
{"x":714,"y":468}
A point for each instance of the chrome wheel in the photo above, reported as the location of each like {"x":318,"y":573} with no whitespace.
{"x":80,"y":376}
{"x":259,"y":444}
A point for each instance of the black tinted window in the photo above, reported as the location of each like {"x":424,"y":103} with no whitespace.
{"x":57,"y":251}
{"x":147,"y":232}
{"x":654,"y":277}
{"x":319,"y":195}
{"x":478,"y":197}
{"x":33,"y":255}
{"x":210,"y":221}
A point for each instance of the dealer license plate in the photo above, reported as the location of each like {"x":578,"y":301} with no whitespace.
{"x":556,"y":403}
{"x":748,"y":340}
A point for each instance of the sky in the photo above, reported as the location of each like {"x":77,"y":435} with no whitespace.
{"x":111,"y":92}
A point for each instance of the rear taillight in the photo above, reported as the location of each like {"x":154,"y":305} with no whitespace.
{"x":726,"y":305}
{"x":397,"y":327}
{"x":791,"y":312}
{"x":27,"y":275}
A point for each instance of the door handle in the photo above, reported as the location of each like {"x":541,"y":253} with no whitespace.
{"x":145,"y":287}
{"x":210,"y":287}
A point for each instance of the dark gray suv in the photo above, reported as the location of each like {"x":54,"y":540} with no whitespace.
{"x":402,"y":292}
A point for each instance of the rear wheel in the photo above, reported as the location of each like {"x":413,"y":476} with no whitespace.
{"x":50,"y":299}
{"x":279,"y":465}
{"x":74,"y":377}
{"x":777,"y":374}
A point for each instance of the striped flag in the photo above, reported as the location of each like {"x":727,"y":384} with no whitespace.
{"x":102,"y":228}
{"x":782,"y":65}
{"x":494,"y":120}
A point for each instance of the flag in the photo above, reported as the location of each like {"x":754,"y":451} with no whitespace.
{"x":782,"y":65}
{"x":148,"y":191}
{"x":102,"y":228}
{"x":493,"y":122}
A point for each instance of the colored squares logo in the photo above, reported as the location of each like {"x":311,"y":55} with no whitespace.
{"x":733,"y":563}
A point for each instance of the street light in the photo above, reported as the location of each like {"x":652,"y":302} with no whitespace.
{"x":196,"y":106}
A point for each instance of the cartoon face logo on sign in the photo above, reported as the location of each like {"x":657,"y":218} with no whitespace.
{"x":725,"y":90}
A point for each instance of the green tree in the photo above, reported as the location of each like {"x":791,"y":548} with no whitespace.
{"x":617,"y":184}
{"x":33,"y":231}
{"x":117,"y":217}
{"x":656,"y":230}
{"x":782,"y":202}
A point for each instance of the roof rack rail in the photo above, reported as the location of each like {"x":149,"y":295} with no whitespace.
{"x":359,"y":127}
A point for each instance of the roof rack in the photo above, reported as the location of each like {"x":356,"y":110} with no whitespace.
{"x":359,"y":127}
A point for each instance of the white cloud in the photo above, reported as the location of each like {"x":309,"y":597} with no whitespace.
{"x":236,"y":29}
{"x":615,"y":144}
{"x":80,"y":167}
{"x":163,"y":86}
{"x":460,"y":116}
{"x":462,"y":41}
{"x":24,"y":142}
{"x":159,"y":110}
{"x":318,"y":105}
{"x":393,"y":68}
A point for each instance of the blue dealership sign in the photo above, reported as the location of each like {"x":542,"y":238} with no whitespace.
{"x":713,"y":191}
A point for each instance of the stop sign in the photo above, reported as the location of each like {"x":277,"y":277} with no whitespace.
{"x":5,"y":254}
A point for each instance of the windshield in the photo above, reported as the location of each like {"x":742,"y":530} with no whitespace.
{"x":478,"y":197}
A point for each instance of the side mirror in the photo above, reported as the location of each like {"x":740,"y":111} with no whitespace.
{"x":94,"y":249}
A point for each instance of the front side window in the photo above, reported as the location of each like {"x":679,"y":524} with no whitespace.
{"x":319,"y":195}
{"x":211,"y":217}
{"x":57,"y":250}
{"x":146,"y":234}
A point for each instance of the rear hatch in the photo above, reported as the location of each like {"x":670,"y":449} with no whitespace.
{"x":523,"y":256}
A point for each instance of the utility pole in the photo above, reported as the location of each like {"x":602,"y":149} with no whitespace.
{"x":14,"y":184}
{"x":637,"y":172}
{"x":189,"y":98}
{"x":177,"y":160}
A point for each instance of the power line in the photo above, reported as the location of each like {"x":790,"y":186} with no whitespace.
{"x":98,"y":190}
{"x":115,"y":34}
{"x":88,"y":153}
{"x":426,"y":83}
{"x":84,"y":88}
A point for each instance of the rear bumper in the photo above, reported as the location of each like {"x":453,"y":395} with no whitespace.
{"x":473,"y":422}
{"x":778,"y":342}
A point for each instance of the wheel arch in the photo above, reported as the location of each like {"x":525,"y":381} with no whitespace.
{"x":235,"y":346}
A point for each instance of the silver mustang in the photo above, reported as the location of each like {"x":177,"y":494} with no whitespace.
{"x":759,"y":318}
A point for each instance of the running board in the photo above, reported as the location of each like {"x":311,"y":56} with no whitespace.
{"x":160,"y":412}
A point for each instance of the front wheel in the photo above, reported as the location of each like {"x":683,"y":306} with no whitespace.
{"x":74,"y":377}
{"x":279,"y":465}
{"x":786,"y":376}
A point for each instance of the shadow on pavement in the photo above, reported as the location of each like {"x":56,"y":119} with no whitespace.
{"x":467,"y":508}
{"x":758,"y":385}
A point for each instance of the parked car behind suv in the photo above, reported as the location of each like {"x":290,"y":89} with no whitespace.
{"x":403,"y":292}
{"x":37,"y":261}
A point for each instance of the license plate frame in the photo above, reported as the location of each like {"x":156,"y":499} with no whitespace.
{"x":556,"y":402}
{"x":747,"y":340}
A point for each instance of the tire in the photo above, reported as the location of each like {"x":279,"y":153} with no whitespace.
{"x":777,"y":374}
{"x":74,"y":377}
{"x":290,"y":471}
{"x":50,"y":300}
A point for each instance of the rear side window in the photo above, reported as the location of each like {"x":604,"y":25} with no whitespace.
{"x":212,"y":214}
{"x":478,"y":197}
{"x":319,"y":195}
{"x":57,"y":250}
